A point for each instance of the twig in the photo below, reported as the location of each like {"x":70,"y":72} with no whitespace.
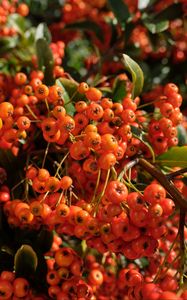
{"x":176,"y":173}
{"x":182,"y":245}
{"x":177,"y":197}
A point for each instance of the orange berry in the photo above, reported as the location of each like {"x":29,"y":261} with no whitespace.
{"x":6,"y":110}
{"x":93,"y":94}
{"x":20,"y":78}
{"x":23,"y":9}
{"x":83,"y":88}
{"x":41,"y":91}
{"x":65,"y":182}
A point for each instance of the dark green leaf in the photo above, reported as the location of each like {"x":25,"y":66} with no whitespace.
{"x":25,"y":261}
{"x":174,"y":157}
{"x":120,"y":10}
{"x":142,"y":262}
{"x":136,"y":72}
{"x":87,"y":26}
{"x":45,"y":60}
{"x":182,"y":135}
{"x":7,"y":261}
{"x":142,"y":136}
{"x":18,"y":22}
{"x":128,"y":30}
{"x":157,"y":27}
{"x":7,"y":44}
{"x":44,"y":240}
{"x":70,"y":85}
{"x":170,"y":13}
{"x":42,"y":32}
{"x":70,"y":109}
{"x":119,"y":91}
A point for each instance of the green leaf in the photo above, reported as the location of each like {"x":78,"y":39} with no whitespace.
{"x":70,"y":109}
{"x":42,"y":32}
{"x":44,"y":240}
{"x":7,"y":44}
{"x":142,"y":4}
{"x":136,"y":72}
{"x":45,"y":60}
{"x":157,"y":27}
{"x":120,"y":10}
{"x":70,"y":85}
{"x":142,"y":136}
{"x":119,"y":91}
{"x":174,"y":157}
{"x":25,"y":261}
{"x":172,"y":12}
{"x":87,"y":26}
{"x":18,"y":22}
{"x":182,"y":135}
{"x":7,"y":261}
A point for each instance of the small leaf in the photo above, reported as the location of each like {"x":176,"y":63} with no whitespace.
{"x":42,"y":32}
{"x":70,"y":109}
{"x":120,"y":10}
{"x":136,"y":72}
{"x":174,"y":157}
{"x":25,"y":261}
{"x":157,"y":27}
{"x":119,"y":90}
{"x":87,"y":26}
{"x":45,"y":60}
{"x":142,"y":136}
{"x":182,"y":135}
{"x":69,"y":85}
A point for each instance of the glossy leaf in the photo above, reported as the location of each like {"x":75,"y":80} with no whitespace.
{"x":45,"y":60}
{"x":157,"y":27}
{"x":120,"y":10}
{"x":136,"y":72}
{"x":25,"y":261}
{"x":174,"y":157}
{"x":142,"y":4}
{"x":42,"y":32}
{"x":7,"y":44}
{"x":119,"y":91}
{"x":18,"y":22}
{"x":182,"y":135}
{"x":142,"y":136}
{"x":70,"y":109}
{"x":87,"y":26}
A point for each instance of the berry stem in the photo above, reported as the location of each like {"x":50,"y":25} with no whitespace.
{"x":165,"y":259}
{"x":103,"y":191}
{"x":45,"y":155}
{"x":31,"y":112}
{"x":128,"y":166}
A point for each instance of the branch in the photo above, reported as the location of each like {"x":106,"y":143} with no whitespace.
{"x":176,"y":173}
{"x":182,"y":244}
{"x":177,"y":197}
